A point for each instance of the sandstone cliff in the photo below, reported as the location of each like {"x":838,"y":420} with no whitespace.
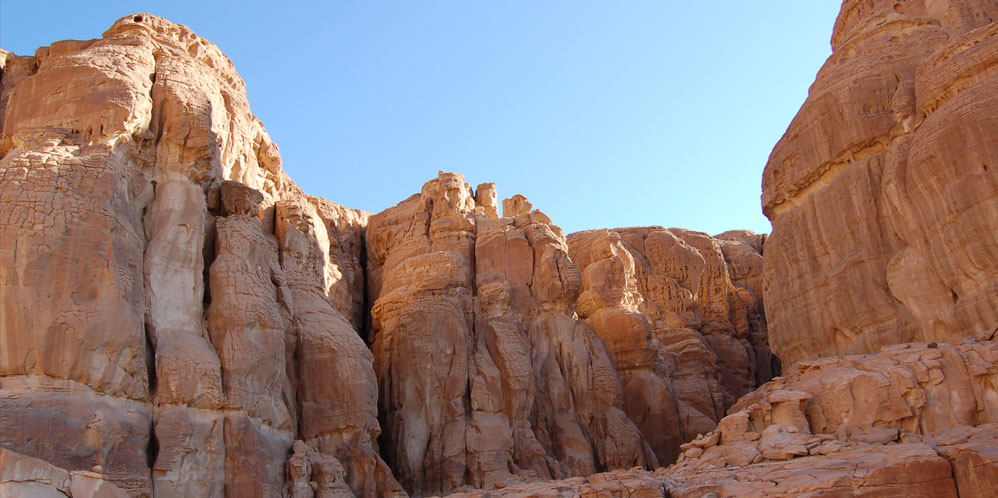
{"x":178,"y":312}
{"x":686,"y":340}
{"x":499,"y":359}
{"x":882,"y":191}
{"x":177,"y":318}
{"x":483,"y":370}
{"x":167,"y":294}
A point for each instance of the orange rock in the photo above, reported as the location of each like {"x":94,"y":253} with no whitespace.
{"x":685,"y":339}
{"x":147,"y":315}
{"x":21,"y":475}
{"x":788,"y":460}
{"x":485,"y":375}
{"x":880,"y":193}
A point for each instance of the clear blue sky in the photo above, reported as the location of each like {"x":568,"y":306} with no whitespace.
{"x":603,"y":113}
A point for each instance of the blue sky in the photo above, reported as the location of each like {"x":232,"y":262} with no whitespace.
{"x":604,"y":114}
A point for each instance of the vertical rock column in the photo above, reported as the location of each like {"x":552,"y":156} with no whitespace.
{"x":74,"y":382}
{"x":420,"y":267}
{"x":249,"y":321}
{"x":336,"y":385}
{"x":484,"y":372}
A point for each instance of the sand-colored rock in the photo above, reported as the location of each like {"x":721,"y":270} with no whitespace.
{"x":177,"y":318}
{"x":901,"y":470}
{"x":880,"y":192}
{"x":905,"y":394}
{"x":484,"y":372}
{"x":337,"y":389}
{"x":686,"y":340}
{"x":779,"y":441}
{"x":25,"y":477}
{"x":973,"y":454}
{"x":147,"y":323}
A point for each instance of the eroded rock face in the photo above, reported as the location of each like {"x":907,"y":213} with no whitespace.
{"x":483,"y":370}
{"x":824,"y":430}
{"x":23,"y":476}
{"x":681,"y":314}
{"x":179,"y":319}
{"x":881,"y":192}
{"x":172,"y":307}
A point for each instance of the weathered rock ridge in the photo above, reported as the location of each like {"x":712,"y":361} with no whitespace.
{"x":882,"y":192}
{"x":175,"y":310}
{"x":499,"y":359}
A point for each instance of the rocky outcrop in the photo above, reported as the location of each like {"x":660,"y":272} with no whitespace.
{"x":900,"y":470}
{"x":686,"y":340}
{"x":905,"y":393}
{"x":857,"y":425}
{"x":172,"y":307}
{"x":483,"y":370}
{"x":22,"y":475}
{"x":881,"y":192}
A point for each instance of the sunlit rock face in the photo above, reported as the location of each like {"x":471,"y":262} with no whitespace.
{"x":173,"y":308}
{"x":681,"y":314}
{"x":484,"y":372}
{"x":882,"y":193}
{"x":914,"y":419}
{"x":178,"y":312}
{"x":177,"y":318}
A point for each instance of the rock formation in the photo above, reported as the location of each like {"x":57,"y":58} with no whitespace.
{"x":177,"y":318}
{"x":22,"y":475}
{"x":167,"y":294}
{"x":182,"y":314}
{"x":879,"y":424}
{"x":686,"y":340}
{"x":483,"y":370}
{"x":880,"y":192}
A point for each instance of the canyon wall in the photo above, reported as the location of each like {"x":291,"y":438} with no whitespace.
{"x":681,"y":314}
{"x":178,"y":317}
{"x":173,"y":309}
{"x":498,"y":358}
{"x":881,"y":192}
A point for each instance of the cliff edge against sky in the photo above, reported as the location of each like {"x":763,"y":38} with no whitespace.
{"x":178,"y":318}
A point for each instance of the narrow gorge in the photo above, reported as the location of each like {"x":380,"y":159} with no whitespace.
{"x":179,"y":318}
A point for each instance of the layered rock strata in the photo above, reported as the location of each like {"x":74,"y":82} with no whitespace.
{"x":172,"y":307}
{"x":681,"y":314}
{"x":882,"y":192}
